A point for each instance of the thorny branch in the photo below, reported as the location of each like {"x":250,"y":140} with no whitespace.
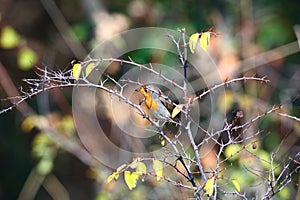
{"x":49,"y":79}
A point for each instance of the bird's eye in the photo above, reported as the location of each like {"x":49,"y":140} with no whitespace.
{"x":145,"y":89}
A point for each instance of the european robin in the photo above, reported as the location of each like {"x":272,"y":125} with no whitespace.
{"x":154,"y":103}
{"x":160,"y":109}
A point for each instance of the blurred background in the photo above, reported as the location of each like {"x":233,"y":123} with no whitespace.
{"x":256,"y":37}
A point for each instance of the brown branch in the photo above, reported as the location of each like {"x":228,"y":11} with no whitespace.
{"x":227,"y":82}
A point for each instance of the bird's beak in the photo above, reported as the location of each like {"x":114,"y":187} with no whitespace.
{"x":137,"y":90}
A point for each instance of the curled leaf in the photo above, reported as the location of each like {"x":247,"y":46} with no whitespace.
{"x":163,"y":142}
{"x":114,"y":175}
{"x":131,"y":179}
{"x":158,"y":168}
{"x":177,"y":110}
{"x":204,"y":40}
{"x":209,"y":186}
{"x":76,"y":70}
{"x":193,"y":41}
{"x":89,"y":68}
{"x":141,"y":168}
{"x":236,"y":185}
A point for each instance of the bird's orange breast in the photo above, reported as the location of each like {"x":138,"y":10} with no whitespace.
{"x":154,"y":105}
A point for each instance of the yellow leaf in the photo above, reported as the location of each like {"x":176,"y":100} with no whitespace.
{"x":204,"y":40}
{"x":29,"y":123}
{"x":117,"y":176}
{"x":236,"y":185}
{"x":26,"y":58}
{"x":76,"y":70}
{"x":141,"y":168}
{"x":163,"y":142}
{"x":131,"y":179}
{"x":177,"y":110}
{"x":158,"y":168}
{"x":88,"y":69}
{"x":193,"y":41}
{"x":134,"y":163}
{"x":9,"y":38}
{"x":209,"y":186}
{"x":112,"y":176}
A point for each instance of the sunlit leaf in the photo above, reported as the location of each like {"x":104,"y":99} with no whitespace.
{"x":163,"y":142}
{"x":29,"y":123}
{"x":193,"y":41}
{"x":204,"y":40}
{"x":135,"y":162}
{"x":131,"y":179}
{"x":158,"y":168}
{"x":88,"y":69}
{"x":26,"y":58}
{"x":236,"y":185}
{"x":76,"y":70}
{"x":141,"y":168}
{"x":177,"y":110}
{"x":114,"y":175}
{"x":209,"y":186}
{"x":9,"y":38}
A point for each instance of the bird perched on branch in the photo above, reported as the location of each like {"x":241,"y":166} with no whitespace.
{"x":160,"y":108}
{"x":155,"y":103}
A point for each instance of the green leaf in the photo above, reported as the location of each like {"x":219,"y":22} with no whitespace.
{"x":131,"y":179}
{"x":42,"y":146}
{"x":9,"y":38}
{"x":285,"y":193}
{"x":231,"y":152}
{"x":193,"y":41}
{"x":264,"y":159}
{"x":209,"y":186}
{"x":26,"y":58}
{"x":158,"y":168}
